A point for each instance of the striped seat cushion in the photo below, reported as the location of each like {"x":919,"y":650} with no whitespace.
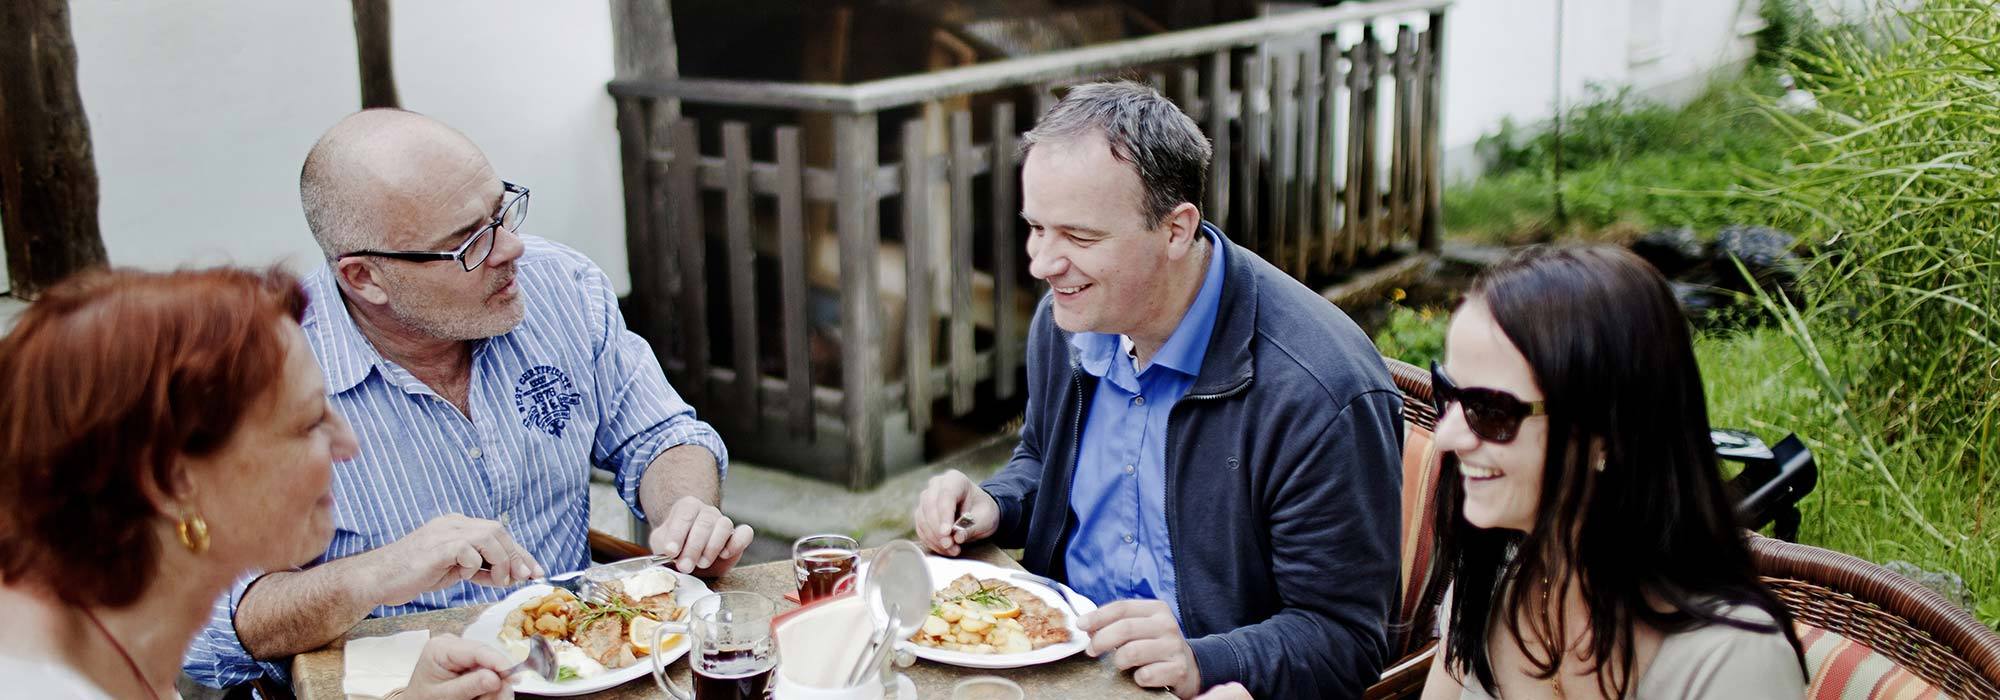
{"x":1420,"y":473}
{"x":1843,"y":669}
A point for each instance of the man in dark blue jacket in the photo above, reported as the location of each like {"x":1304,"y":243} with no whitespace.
{"x":1211,"y":450}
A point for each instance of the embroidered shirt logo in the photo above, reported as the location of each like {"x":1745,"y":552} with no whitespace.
{"x":544,"y":396}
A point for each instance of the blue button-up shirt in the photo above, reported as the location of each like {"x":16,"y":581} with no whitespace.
{"x":1120,"y":549}
{"x":568,"y":389}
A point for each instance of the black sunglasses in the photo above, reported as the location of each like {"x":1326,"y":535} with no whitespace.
{"x":1494,"y":415}
{"x":477,"y":246}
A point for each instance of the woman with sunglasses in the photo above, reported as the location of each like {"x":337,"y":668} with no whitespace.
{"x":1582,"y":519}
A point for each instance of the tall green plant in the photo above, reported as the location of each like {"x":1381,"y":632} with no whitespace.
{"x":1900,"y":175}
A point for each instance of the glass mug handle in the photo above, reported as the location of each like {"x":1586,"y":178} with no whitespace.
{"x":660,"y":661}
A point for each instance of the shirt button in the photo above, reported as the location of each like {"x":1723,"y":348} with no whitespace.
{"x":1128,"y":539}
{"x":1128,"y":469}
{"x":1138,"y":400}
{"x":503,"y":518}
{"x":473,"y":453}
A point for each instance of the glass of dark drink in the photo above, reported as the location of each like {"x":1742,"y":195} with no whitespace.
{"x":824,"y":565}
{"x":730,"y":649}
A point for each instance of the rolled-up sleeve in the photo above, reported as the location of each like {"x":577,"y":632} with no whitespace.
{"x":642,"y":414}
{"x":216,"y":658}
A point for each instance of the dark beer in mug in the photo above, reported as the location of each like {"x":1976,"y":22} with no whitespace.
{"x":733,"y":675}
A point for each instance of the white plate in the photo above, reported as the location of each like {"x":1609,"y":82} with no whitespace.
{"x":944,"y":571}
{"x":486,"y":630}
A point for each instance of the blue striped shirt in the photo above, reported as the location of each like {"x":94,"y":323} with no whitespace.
{"x":568,"y":389}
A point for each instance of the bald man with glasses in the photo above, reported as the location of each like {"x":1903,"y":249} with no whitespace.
{"x":486,"y":373}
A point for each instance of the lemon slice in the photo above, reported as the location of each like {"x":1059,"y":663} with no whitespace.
{"x":641,"y":632}
{"x":1003,"y":608}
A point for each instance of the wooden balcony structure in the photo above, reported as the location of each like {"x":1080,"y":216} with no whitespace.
{"x":833,"y":267}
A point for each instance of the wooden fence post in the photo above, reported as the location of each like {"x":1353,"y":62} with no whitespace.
{"x":856,"y":221}
{"x":1433,"y":217}
{"x":684,"y":217}
{"x":1006,"y":212}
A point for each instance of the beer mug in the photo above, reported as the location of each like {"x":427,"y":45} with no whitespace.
{"x":731,"y":655}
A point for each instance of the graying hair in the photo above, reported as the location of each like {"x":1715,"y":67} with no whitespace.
{"x":331,"y":212}
{"x":1165,"y":147}
{"x":333,"y":182}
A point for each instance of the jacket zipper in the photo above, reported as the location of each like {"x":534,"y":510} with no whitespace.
{"x":1167,"y":492}
{"x":1075,"y":456}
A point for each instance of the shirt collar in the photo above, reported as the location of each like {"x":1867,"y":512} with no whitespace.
{"x":1185,"y":348}
{"x":344,"y":355}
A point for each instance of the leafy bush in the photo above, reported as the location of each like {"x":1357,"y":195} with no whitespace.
{"x":1787,"y":25}
{"x":1897,"y":176}
{"x":1415,"y":336}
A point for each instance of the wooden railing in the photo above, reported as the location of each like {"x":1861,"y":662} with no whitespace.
{"x":1325,"y":126}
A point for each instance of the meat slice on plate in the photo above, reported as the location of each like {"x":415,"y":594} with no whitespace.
{"x":1045,"y":625}
{"x":601,"y":639}
{"x":960,"y":587}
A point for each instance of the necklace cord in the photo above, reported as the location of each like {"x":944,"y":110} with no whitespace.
{"x":129,"y":663}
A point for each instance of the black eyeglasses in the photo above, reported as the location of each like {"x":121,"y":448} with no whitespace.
{"x":1494,"y":415}
{"x":476,"y":247}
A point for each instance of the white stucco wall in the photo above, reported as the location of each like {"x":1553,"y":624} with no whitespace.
{"x":202,"y":112}
{"x":1500,"y":57}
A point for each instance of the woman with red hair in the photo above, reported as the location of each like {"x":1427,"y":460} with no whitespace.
{"x":160,"y":436}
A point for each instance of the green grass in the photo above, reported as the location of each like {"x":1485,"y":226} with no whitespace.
{"x":1896,"y":179}
{"x":1628,"y":165}
{"x":1758,"y":380}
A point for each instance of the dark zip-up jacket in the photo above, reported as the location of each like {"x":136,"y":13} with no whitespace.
{"x":1283,"y":486}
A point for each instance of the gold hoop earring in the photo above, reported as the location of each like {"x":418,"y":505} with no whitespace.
{"x":193,"y":531}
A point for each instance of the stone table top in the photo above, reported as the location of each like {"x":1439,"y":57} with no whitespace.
{"x":317,"y":675}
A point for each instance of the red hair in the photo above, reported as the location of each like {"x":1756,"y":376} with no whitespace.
{"x":105,"y":383}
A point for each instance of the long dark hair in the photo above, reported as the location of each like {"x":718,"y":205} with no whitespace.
{"x":1612,"y":354}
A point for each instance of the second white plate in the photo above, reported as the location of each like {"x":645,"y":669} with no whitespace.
{"x":943,"y":571}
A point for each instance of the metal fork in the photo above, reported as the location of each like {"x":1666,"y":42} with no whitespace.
{"x":575,"y":582}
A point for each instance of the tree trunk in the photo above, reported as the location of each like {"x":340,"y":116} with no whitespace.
{"x":371,"y":40}
{"x":48,"y":183}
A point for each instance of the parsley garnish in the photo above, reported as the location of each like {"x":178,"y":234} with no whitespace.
{"x":985,"y":597}
{"x":594,"y":609}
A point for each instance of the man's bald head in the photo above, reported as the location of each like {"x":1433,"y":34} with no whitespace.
{"x":363,"y":159}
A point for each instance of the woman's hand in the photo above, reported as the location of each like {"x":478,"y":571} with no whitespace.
{"x":455,"y":669}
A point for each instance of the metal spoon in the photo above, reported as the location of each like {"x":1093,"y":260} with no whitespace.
{"x":541,"y":659}
{"x":901,"y":596}
{"x":871,"y":654}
